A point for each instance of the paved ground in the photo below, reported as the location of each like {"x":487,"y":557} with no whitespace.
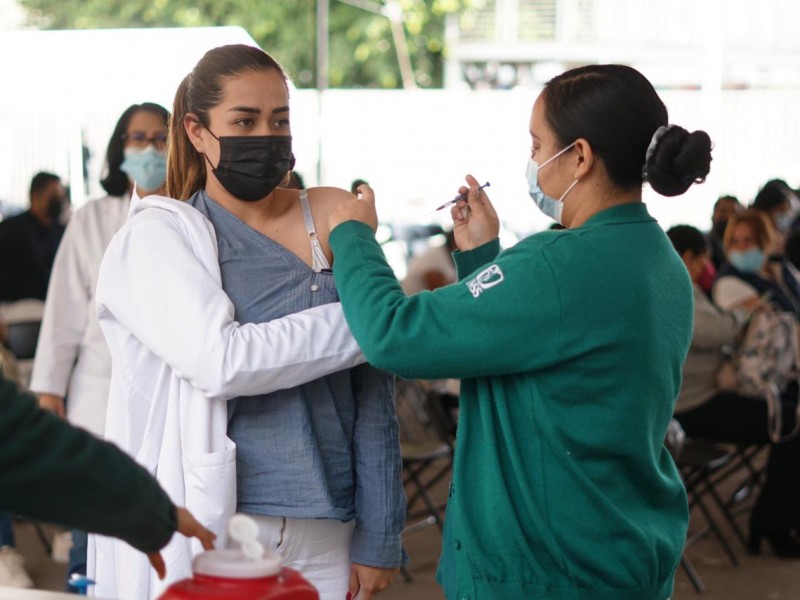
{"x":756,"y":578}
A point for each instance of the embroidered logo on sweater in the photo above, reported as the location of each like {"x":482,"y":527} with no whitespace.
{"x":484,"y":280}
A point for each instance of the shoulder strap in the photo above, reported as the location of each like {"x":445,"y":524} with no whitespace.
{"x":319,"y":260}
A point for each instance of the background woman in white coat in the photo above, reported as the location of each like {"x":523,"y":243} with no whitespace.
{"x":72,"y":360}
{"x":181,"y":348}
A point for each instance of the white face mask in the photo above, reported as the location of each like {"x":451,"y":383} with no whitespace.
{"x":549,"y":206}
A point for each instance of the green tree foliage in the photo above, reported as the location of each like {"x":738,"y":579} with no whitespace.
{"x":361,"y":48}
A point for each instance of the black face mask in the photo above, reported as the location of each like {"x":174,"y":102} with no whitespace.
{"x":251,"y":166}
{"x":55,"y":206}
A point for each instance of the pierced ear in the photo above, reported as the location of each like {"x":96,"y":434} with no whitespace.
{"x":194,"y":130}
{"x":585,"y":158}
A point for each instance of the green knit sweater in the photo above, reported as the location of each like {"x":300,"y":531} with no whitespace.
{"x":570,"y":346}
{"x":54,"y":472}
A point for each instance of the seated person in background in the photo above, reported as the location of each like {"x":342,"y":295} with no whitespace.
{"x":29,"y":240}
{"x":792,"y":249}
{"x":775,"y":200}
{"x":432,"y":268}
{"x":428,"y":270}
{"x":724,"y":208}
{"x":751,"y":271}
{"x":705,"y":411}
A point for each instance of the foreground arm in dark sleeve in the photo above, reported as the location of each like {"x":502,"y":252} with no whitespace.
{"x":53,"y":472}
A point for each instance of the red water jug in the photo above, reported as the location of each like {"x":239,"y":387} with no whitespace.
{"x":229,"y":575}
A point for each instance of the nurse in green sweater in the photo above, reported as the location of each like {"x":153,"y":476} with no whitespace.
{"x":569,"y":344}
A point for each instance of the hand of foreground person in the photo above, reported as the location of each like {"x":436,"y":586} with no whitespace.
{"x":188,"y":526}
{"x":358,"y":208}
{"x":53,"y":403}
{"x":475,"y":221}
{"x":369,"y":580}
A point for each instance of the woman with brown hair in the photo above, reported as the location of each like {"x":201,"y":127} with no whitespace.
{"x":223,"y":300}
{"x":751,"y":269}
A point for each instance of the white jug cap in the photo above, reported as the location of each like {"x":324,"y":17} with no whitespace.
{"x":253,"y":549}
{"x":242,"y":528}
{"x":233,"y":564}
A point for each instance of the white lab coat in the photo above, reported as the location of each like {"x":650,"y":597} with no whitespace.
{"x":177,"y":356}
{"x":71,"y":356}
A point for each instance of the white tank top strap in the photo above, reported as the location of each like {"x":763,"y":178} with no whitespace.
{"x":318,"y":259}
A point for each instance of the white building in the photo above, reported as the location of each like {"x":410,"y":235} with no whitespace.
{"x":731,"y":68}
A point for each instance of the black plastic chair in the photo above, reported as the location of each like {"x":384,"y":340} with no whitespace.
{"x":700,"y":462}
{"x":748,"y":465}
{"x":427,"y":454}
{"x":23,"y":319}
{"x":22,"y":338}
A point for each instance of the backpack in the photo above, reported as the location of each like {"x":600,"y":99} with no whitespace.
{"x":766,"y":359}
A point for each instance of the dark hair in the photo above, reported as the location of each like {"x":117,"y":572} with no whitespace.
{"x":41,"y":180}
{"x":116,"y":182}
{"x":199,"y":92}
{"x":686,"y":237}
{"x":774,"y":193}
{"x":295,"y":181}
{"x":617,"y":110}
{"x":355,"y":184}
{"x":726,"y":198}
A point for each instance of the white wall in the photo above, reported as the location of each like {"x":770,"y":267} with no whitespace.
{"x":57,"y":83}
{"x":414,"y":147}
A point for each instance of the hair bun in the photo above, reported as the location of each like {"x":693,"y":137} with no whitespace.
{"x":678,"y":160}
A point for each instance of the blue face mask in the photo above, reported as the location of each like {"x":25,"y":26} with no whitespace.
{"x":549,"y":206}
{"x":747,"y":261}
{"x":147,"y":167}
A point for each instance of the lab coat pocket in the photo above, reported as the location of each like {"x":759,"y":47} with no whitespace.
{"x":211,"y":489}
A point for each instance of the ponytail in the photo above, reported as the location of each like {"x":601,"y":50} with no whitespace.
{"x":186,"y":172}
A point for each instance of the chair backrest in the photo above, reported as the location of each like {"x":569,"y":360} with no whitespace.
{"x":418,"y":413}
{"x":28,"y":309}
{"x":22,"y":338}
{"x":22,"y":320}
{"x":409,"y":406}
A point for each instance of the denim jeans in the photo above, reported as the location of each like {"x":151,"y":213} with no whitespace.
{"x":6,"y":530}
{"x":77,"y":557}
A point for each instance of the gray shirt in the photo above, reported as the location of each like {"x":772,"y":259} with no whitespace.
{"x":325,"y":449}
{"x":714,"y":330}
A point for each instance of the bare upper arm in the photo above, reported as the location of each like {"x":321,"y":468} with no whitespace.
{"x":322,"y":201}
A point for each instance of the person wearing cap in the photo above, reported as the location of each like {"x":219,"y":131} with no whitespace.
{"x":569,"y":345}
